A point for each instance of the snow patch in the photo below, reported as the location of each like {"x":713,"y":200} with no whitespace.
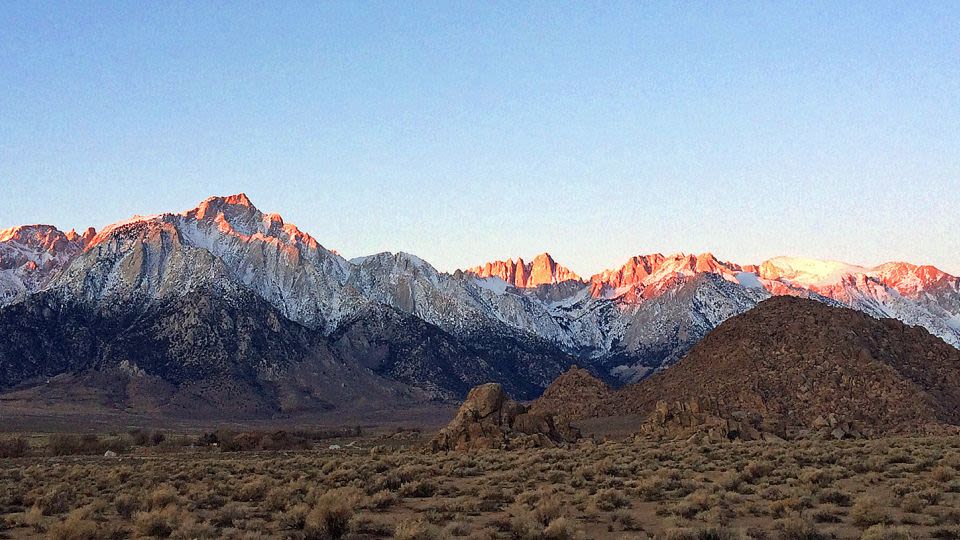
{"x":749,"y":280}
{"x":494,"y":284}
{"x":809,"y":272}
{"x":954,"y":322}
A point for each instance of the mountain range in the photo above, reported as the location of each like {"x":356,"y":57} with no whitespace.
{"x":223,"y":302}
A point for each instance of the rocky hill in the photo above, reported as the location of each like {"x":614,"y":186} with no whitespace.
{"x":797,"y":366}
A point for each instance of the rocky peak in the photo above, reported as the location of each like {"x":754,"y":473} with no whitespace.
{"x":910,"y":279}
{"x":576,"y":392}
{"x":30,"y":256}
{"x":645,"y":270}
{"x":82,"y":239}
{"x":542,"y":270}
{"x":234,"y":213}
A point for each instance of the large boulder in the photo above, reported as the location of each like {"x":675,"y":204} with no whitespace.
{"x":490,"y":419}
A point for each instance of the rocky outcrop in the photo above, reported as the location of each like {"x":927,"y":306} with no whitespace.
{"x":489,"y":419}
{"x":704,"y":420}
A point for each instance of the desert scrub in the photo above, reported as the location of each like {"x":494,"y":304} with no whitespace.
{"x":418,"y":489}
{"x":126,"y":504}
{"x":76,"y":526}
{"x":416,"y":529}
{"x":330,"y":515}
{"x":869,"y":510}
{"x":799,"y":529}
{"x":158,"y":523}
{"x":610,"y":499}
{"x":13,"y":447}
{"x":943,"y":474}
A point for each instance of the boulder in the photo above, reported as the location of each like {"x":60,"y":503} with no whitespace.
{"x":489,"y":419}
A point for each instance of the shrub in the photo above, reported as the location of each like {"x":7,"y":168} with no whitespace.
{"x":799,"y":529}
{"x":161,"y":497}
{"x":157,"y":523}
{"x":416,"y":529}
{"x":868,"y":511}
{"x":702,"y":534}
{"x":126,"y":505}
{"x":75,"y":527}
{"x":834,"y":496}
{"x":33,"y":518}
{"x":382,"y":499}
{"x":57,"y":500}
{"x":418,"y":489}
{"x":610,"y":499}
{"x":548,"y":509}
{"x":330,"y":516}
{"x":525,"y":527}
{"x":295,"y":517}
{"x":943,"y":473}
{"x":560,"y":528}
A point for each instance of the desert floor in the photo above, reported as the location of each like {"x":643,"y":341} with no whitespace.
{"x":382,"y":485}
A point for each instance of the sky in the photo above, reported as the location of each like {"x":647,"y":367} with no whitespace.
{"x":471,"y":131}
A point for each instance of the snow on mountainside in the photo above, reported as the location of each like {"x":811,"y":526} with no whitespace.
{"x":624,"y":323}
{"x":31,"y":255}
{"x":917,"y":295}
{"x":223,"y":239}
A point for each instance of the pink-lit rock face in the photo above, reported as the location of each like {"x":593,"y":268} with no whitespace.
{"x":647,"y":274}
{"x":917,"y":295}
{"x":543,"y":270}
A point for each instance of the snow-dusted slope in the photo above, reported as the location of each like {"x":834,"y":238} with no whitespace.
{"x":224,"y":239}
{"x":32,"y":255}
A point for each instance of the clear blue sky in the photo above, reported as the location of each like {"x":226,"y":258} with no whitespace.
{"x":464,"y":132}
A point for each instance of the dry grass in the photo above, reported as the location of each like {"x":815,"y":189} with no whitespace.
{"x":881,"y":489}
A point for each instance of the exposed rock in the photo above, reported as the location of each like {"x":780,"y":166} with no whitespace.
{"x":489,"y":419}
{"x":699,"y":420}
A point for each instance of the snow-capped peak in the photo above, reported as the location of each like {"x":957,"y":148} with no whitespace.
{"x":807,"y":272}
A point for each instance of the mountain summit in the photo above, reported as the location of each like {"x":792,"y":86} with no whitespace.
{"x":542,"y":270}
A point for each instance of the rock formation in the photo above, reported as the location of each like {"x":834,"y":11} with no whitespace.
{"x":542,"y":270}
{"x":489,"y":419}
{"x":698,"y":420}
